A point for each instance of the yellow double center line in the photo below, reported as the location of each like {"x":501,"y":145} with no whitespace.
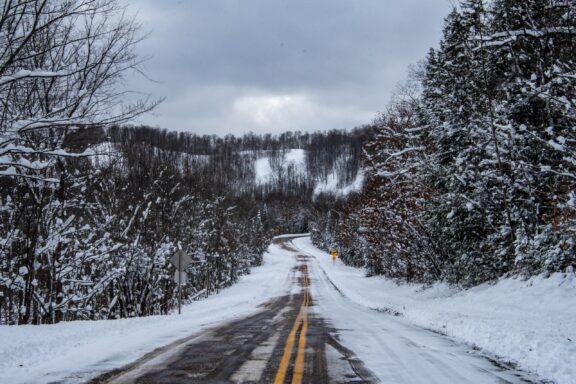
{"x":301,"y":319}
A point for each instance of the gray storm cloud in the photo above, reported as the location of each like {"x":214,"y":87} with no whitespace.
{"x":231,"y":66}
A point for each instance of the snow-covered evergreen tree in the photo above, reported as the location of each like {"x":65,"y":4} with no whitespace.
{"x":532,"y":43}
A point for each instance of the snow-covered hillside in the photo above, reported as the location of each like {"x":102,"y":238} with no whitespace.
{"x":331,"y":185}
{"x":103,"y":154}
{"x":268,"y":169}
{"x":293,"y":164}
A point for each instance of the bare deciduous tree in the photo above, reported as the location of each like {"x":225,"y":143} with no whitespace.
{"x":61,"y":67}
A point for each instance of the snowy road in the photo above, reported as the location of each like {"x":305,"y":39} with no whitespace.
{"x":315,"y":334}
{"x":394,"y":350}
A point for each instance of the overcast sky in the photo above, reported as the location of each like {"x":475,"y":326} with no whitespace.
{"x":267,"y":66}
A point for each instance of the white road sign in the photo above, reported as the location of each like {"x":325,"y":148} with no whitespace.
{"x":180,"y":277}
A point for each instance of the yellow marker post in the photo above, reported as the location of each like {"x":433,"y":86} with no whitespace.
{"x":334,"y":254}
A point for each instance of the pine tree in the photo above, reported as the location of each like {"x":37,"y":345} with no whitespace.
{"x":533,"y":45}
{"x":464,"y":214}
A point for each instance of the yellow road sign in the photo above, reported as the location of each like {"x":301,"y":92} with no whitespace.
{"x":334,"y":255}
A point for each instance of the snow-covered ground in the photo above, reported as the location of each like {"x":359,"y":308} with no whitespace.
{"x":103,"y":154}
{"x":263,"y":170}
{"x":265,"y":173}
{"x":330,"y":186}
{"x":75,"y":351}
{"x":531,"y":323}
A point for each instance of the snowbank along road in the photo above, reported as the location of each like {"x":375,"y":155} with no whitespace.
{"x":314,"y":334}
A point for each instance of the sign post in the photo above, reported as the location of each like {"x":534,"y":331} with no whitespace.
{"x":334,"y":255}
{"x":180,"y":260}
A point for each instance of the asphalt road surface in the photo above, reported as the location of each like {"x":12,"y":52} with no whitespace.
{"x":291,"y":340}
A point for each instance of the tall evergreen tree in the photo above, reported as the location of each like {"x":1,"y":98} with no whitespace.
{"x":532,"y":43}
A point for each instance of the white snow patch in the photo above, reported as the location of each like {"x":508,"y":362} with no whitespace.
{"x":330,"y":186}
{"x":296,"y":157}
{"x":104,"y":154}
{"x":557,"y":146}
{"x":265,"y":173}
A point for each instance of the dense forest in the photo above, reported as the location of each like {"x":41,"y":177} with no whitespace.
{"x":96,"y":244}
{"x":471,"y":171}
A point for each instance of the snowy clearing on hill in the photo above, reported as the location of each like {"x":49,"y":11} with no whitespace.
{"x":266,"y":171}
{"x":330,"y":186}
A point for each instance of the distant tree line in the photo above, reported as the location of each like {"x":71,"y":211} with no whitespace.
{"x":472,"y":167}
{"x":227,"y":163}
{"x":231,"y":157}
